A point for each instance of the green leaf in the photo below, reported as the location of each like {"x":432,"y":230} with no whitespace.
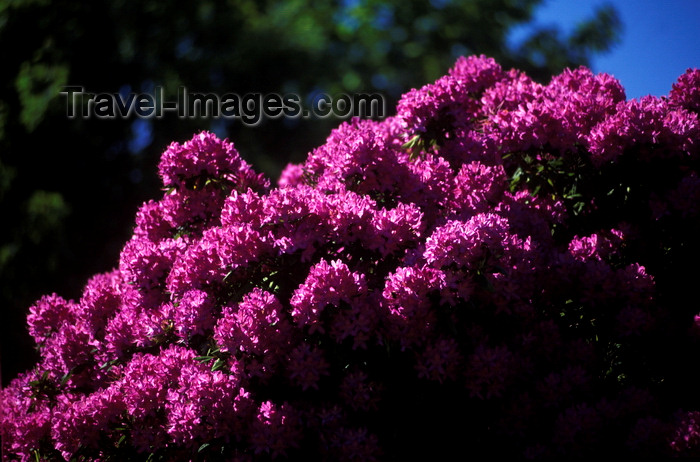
{"x":65,"y":378}
{"x":415,"y":139}
{"x":218,"y":364}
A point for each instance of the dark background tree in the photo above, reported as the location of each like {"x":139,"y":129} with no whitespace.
{"x":69,"y":188}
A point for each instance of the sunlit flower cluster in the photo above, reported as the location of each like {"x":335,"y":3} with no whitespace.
{"x":503,"y":268}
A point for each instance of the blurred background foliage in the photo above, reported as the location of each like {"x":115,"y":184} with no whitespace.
{"x":69,"y":188}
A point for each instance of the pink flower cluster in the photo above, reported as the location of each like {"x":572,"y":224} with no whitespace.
{"x":502,"y":268}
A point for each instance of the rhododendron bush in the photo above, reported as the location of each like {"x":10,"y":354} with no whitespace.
{"x":503,"y":268}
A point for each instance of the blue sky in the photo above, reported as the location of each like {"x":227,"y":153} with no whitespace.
{"x":660,"y":40}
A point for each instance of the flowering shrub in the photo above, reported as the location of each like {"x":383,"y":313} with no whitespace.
{"x":502,"y":268}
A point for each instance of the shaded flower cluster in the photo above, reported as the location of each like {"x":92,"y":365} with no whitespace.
{"x":502,"y":260}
